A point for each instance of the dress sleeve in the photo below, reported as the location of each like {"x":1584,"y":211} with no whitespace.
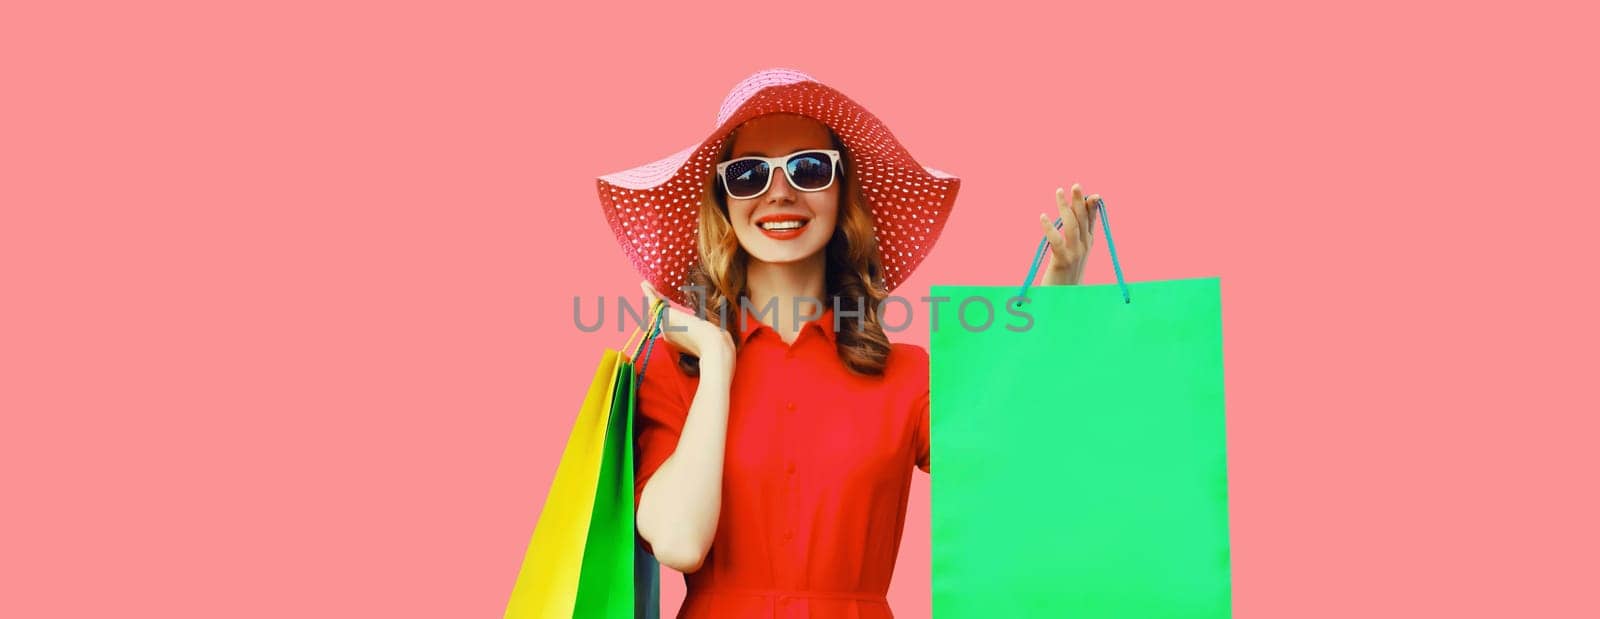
{"x":915,"y":372}
{"x":659,"y":413}
{"x":924,"y":420}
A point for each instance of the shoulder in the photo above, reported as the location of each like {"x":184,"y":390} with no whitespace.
{"x":908,"y":363}
{"x":908,"y":353}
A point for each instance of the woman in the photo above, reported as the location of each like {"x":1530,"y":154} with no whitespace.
{"x":779,"y":430}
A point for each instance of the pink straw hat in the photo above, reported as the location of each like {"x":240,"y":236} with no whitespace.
{"x":654,"y":208}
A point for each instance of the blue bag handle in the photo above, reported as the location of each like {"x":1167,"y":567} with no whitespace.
{"x":1044,"y":244}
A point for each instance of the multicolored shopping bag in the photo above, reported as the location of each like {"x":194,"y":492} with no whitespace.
{"x":585,"y":558}
{"x":607,"y":586}
{"x":1082,"y":460}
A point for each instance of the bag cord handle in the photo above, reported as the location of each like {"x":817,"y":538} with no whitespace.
{"x":658,"y":312}
{"x":1044,"y":244}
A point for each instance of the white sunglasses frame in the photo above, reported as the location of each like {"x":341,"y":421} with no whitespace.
{"x":774,"y":164}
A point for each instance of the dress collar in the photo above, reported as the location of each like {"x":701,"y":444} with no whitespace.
{"x":748,"y":324}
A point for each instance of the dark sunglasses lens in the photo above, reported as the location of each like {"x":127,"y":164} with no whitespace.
{"x":746,"y":178}
{"x":810,"y":170}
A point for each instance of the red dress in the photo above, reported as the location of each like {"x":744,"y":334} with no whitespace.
{"x":815,"y":477}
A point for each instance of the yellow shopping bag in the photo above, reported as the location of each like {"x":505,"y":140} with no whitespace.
{"x":547,"y":585}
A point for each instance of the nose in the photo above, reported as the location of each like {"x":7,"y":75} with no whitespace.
{"x":780,"y":190}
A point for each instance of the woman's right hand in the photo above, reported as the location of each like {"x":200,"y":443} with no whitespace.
{"x":690,"y":333}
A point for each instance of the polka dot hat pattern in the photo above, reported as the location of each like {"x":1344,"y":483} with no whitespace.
{"x":654,"y":209}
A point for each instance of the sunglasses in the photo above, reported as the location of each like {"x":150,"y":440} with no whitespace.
{"x":807,"y":170}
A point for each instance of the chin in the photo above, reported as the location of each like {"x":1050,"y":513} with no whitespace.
{"x":779,"y":257}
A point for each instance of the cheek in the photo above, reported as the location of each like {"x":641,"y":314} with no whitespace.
{"x":827,"y":207}
{"x":739,"y":211}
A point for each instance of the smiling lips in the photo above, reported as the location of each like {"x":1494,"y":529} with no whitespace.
{"x":782,"y":226}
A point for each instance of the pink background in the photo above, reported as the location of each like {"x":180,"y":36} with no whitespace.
{"x":287,"y":286}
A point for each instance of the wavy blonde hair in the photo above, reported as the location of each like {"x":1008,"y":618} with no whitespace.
{"x":853,"y":279}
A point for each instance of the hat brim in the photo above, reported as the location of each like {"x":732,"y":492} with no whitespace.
{"x":653,"y":209}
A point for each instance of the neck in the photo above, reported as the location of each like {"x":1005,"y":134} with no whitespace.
{"x":785,"y":282}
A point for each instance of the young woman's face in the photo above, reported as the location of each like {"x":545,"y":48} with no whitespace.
{"x":765,"y":223}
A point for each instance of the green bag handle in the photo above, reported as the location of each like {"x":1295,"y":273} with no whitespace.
{"x":1044,"y":244}
{"x":658,"y":313}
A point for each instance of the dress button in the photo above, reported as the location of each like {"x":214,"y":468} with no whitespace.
{"x":789,"y":406}
{"x":788,"y":535}
{"x":791,"y":468}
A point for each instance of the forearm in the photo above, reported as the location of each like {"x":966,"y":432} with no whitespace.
{"x":681,"y":503}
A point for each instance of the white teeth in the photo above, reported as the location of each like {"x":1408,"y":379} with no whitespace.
{"x":790,"y":224}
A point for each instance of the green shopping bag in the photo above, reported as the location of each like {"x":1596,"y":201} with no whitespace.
{"x":1083,"y":461}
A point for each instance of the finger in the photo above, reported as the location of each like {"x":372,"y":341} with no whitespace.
{"x":1063,"y":204}
{"x":1069,"y":222}
{"x":1080,"y":215}
{"x":1058,"y":243}
{"x":1094,"y":213}
{"x":653,"y":296}
{"x":673,"y":321}
{"x":1060,"y":253}
{"x":1071,"y":229}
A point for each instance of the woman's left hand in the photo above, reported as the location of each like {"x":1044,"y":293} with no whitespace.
{"x":1069,"y":246}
